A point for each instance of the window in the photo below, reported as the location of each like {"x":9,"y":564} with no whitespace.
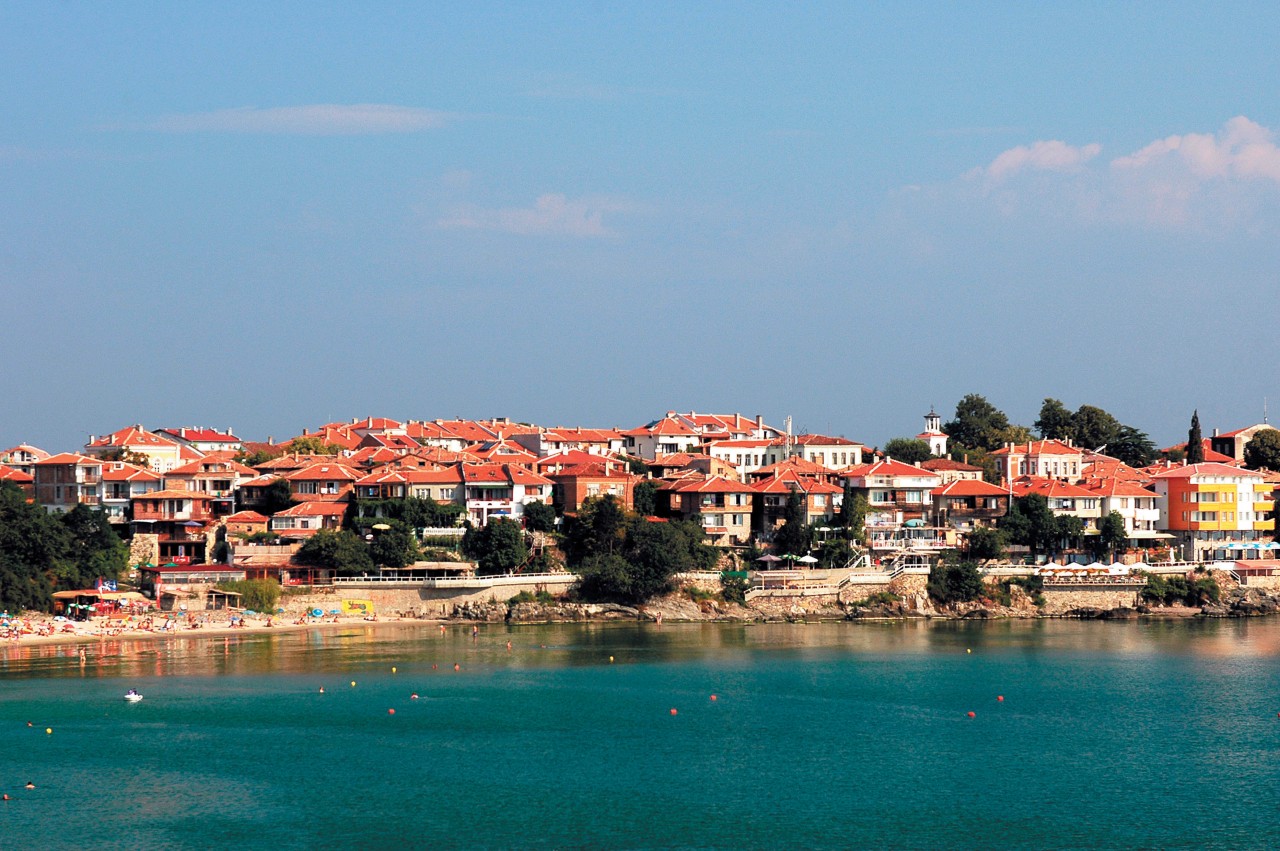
{"x":819,"y":500}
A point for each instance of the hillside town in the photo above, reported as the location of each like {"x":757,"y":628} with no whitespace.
{"x":199,"y":505}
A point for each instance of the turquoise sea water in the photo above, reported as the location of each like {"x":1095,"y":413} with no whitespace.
{"x":1110,"y":735}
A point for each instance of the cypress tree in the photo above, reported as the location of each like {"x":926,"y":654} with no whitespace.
{"x":1195,"y":443}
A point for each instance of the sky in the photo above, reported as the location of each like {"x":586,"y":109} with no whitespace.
{"x":272,"y":216}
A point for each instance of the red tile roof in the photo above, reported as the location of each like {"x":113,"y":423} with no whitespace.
{"x":328,"y":471}
{"x":8,"y":474}
{"x":704,"y":484}
{"x":247,"y":517}
{"x":936,"y":464}
{"x":63,"y":458}
{"x":199,"y":435}
{"x":134,"y":435}
{"x":970,"y":487}
{"x":314,"y":509}
{"x":1207,"y":469}
{"x":120,"y":471}
{"x":1040,"y":447}
{"x":1050,"y":488}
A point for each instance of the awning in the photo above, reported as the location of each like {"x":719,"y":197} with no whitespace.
{"x":1149,"y":534}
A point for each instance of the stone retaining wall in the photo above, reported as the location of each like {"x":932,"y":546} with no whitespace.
{"x":1060,"y":600}
{"x":413,"y":600}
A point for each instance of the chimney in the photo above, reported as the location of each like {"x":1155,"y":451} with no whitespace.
{"x":1215,"y":432}
{"x":271,"y":439}
{"x":759,"y":420}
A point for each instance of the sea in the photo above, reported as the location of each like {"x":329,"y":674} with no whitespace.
{"x":929,"y":735}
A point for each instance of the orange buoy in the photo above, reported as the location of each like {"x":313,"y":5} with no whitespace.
{"x":391,"y":712}
{"x":673,"y":712}
{"x":1000,"y":697}
{"x":973,"y":715}
{"x":713,"y":697}
{"x":413,"y":696}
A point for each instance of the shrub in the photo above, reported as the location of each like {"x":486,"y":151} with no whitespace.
{"x":698,"y":594}
{"x":733,"y":586}
{"x":956,"y":583}
{"x":260,"y":595}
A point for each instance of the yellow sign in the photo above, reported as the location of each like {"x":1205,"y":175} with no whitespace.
{"x":357,"y":607}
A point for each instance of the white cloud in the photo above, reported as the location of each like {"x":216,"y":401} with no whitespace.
{"x":1211,"y":182}
{"x":1050,"y":155}
{"x":551,"y":214}
{"x":1242,"y":149}
{"x":325,"y":119}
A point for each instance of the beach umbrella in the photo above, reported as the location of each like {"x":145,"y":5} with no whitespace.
{"x":381,"y":527}
{"x":769,"y":557}
{"x":807,"y":559}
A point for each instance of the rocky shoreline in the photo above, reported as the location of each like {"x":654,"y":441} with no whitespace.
{"x":678,"y":608}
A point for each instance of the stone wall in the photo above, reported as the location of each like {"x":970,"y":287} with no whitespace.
{"x":144,"y":549}
{"x":1058,"y":600}
{"x":415,"y":600}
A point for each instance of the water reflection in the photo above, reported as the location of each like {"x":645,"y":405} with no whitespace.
{"x":559,"y":645}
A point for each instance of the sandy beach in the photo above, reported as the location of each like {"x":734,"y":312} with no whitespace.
{"x":104,"y":629}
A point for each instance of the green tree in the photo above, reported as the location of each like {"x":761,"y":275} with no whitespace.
{"x":985,"y":544}
{"x":1068,"y":531}
{"x":394,"y":547}
{"x":794,"y":537}
{"x":908,"y":450}
{"x":834,"y":554}
{"x":852,"y":517}
{"x":645,"y":498}
{"x":1195,"y":441}
{"x":1111,"y":536}
{"x":276,"y":497}
{"x":598,"y":529}
{"x":33,"y":547}
{"x":1054,"y":422}
{"x":1031,"y":523}
{"x":498,"y":547}
{"x":342,"y":551}
{"x":1093,"y":428}
{"x":957,"y":582}
{"x":978,"y":424}
{"x":93,"y":549}
{"x":312,"y":445}
{"x":1133,"y":447}
{"x":539,"y":517}
{"x":1263,"y":450}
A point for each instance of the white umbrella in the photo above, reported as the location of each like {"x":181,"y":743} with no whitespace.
{"x":768,"y":557}
{"x":808,"y":559}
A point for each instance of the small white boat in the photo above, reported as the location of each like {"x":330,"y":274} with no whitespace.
{"x":133,"y":697}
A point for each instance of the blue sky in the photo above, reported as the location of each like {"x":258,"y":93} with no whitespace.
{"x":269,"y":216}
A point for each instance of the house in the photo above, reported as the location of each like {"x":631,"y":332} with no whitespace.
{"x":795,"y":465}
{"x":162,"y":454}
{"x":1179,"y":450}
{"x":771,"y":494}
{"x":952,"y":471}
{"x":218,"y":477}
{"x":252,"y":493}
{"x":306,"y":518}
{"x":896,"y":492}
{"x":933,"y":434}
{"x":24,"y":481}
{"x":665,"y":466}
{"x":666,"y":436}
{"x":329,"y":481}
{"x":203,"y":439}
{"x":744,"y":456}
{"x":816,"y":448}
{"x":1136,"y":504}
{"x":1232,"y":443}
{"x":724,"y":506}
{"x":501,"y":490}
{"x":596,"y":441}
{"x":1047,"y":459}
{"x":181,"y":521}
{"x":502,"y":451}
{"x":66,"y":480}
{"x":1214,"y":510}
{"x":22,"y":457}
{"x":121,"y":482}
{"x":1063,"y":498}
{"x":573,"y":484}
{"x":338,"y":435}
{"x":969,"y":503}
{"x":246,"y":523}
{"x":441,"y":485}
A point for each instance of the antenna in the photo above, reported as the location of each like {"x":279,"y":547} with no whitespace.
{"x":1264,"y":410}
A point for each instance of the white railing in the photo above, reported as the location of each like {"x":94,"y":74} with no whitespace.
{"x":462,"y":581}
